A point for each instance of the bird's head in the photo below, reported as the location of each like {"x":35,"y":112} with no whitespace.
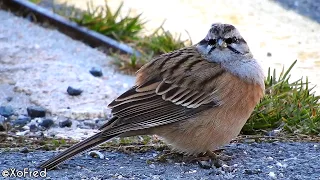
{"x":224,"y":43}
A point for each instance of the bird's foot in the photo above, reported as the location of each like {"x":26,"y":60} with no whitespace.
{"x":210,"y":159}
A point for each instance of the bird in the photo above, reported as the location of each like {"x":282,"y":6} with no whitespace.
{"x":196,"y":98}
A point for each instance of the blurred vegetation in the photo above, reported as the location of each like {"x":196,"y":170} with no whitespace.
{"x":35,"y":1}
{"x":125,"y":29}
{"x":101,"y":19}
{"x":290,"y":107}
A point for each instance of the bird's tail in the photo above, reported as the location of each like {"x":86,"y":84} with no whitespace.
{"x":74,"y":150}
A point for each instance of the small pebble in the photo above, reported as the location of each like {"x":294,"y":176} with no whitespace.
{"x":31,"y":17}
{"x":65,"y":123}
{"x":269,"y":54}
{"x":96,"y":154}
{"x":96,"y":72}
{"x":47,"y":123}
{"x":205,"y":164}
{"x":21,"y":121}
{"x":272,"y":175}
{"x":6,"y":111}
{"x":252,"y":171}
{"x":36,"y":111}
{"x":33,"y":128}
{"x":73,"y":91}
{"x":227,"y":168}
{"x":24,"y":150}
{"x":9,"y":99}
{"x":3,"y":126}
{"x":89,"y":123}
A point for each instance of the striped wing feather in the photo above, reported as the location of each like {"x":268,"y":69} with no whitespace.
{"x":177,"y":91}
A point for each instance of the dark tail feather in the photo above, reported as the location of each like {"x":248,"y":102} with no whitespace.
{"x":74,"y":150}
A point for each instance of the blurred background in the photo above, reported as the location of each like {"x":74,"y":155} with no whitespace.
{"x":277,"y":31}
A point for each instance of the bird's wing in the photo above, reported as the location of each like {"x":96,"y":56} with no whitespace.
{"x":173,"y":87}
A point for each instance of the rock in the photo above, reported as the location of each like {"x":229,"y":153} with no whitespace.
{"x":65,"y":123}
{"x":96,"y":154}
{"x":33,"y":128}
{"x":9,"y":99}
{"x":3,"y":123}
{"x":252,"y":171}
{"x":269,"y":54}
{"x":47,"y":123}
{"x":24,"y":150}
{"x":73,"y":91}
{"x":96,"y":72}
{"x":89,"y":124}
{"x":36,"y":111}
{"x":6,"y":111}
{"x":205,"y":164}
{"x":30,"y":17}
{"x":227,"y":168}
{"x":21,"y":121}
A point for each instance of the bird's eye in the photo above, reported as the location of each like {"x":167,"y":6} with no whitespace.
{"x":228,"y":40}
{"x":212,"y":42}
{"x":231,"y":40}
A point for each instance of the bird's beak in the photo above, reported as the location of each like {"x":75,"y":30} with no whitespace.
{"x":221,"y":44}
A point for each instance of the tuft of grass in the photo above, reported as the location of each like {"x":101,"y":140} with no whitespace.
{"x":126,"y":29}
{"x":161,"y":41}
{"x":35,"y":1}
{"x":289,"y":106}
{"x":101,"y":19}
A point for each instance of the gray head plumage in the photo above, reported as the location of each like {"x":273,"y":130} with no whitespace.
{"x":223,"y":43}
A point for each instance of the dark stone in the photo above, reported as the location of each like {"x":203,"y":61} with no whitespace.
{"x":89,"y":124}
{"x":205,"y":164}
{"x":24,"y":150}
{"x":21,"y":121}
{"x":47,"y":123}
{"x":3,"y":126}
{"x":9,"y":99}
{"x":65,"y":123}
{"x":96,"y":72}
{"x":73,"y":91}
{"x":252,"y":171}
{"x":96,"y":154}
{"x":269,"y":54}
{"x":6,"y":111}
{"x":36,"y":111}
{"x":31,"y":17}
{"x":33,"y":128}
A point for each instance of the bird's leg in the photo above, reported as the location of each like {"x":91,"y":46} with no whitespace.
{"x":212,"y":158}
{"x":218,"y":155}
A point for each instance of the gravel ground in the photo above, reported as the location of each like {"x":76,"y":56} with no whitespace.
{"x":37,"y":65}
{"x":41,"y":63}
{"x":249,"y":161}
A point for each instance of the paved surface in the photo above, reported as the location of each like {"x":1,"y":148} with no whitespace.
{"x":249,"y":161}
{"x":38,"y":65}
